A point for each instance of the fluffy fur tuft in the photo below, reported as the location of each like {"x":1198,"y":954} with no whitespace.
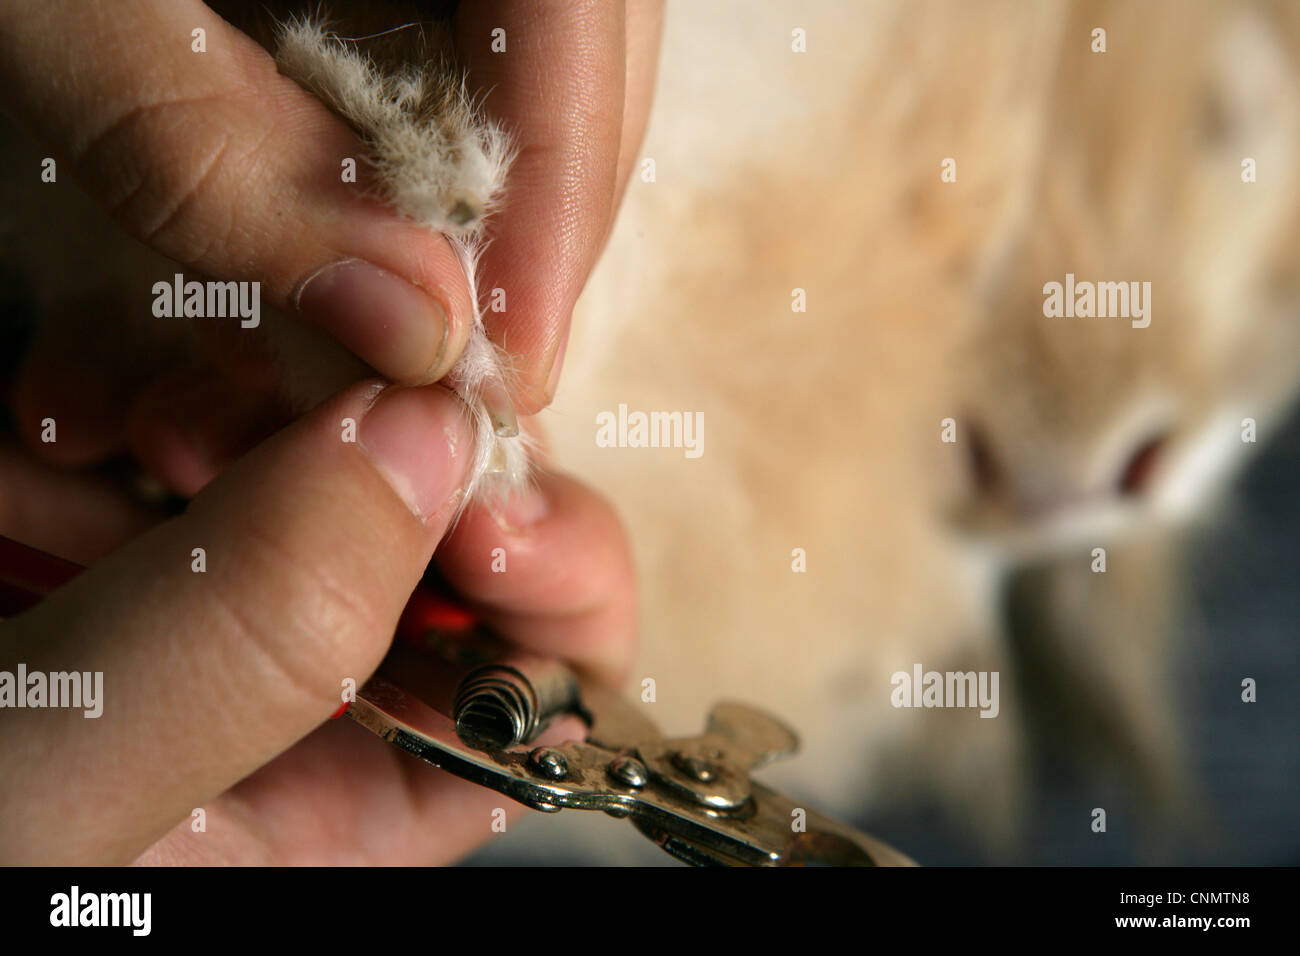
{"x":440,"y":162}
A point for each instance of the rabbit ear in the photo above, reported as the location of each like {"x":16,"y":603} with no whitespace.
{"x":439,"y":161}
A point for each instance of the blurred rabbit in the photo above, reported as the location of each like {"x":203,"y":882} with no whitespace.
{"x":925,"y":302}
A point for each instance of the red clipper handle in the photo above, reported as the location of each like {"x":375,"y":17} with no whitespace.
{"x":28,"y":574}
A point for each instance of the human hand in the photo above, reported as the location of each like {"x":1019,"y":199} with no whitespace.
{"x":231,"y":170}
{"x":216,"y":684}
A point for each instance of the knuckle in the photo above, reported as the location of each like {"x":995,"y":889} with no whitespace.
{"x":311,"y":627}
{"x":171,"y":172}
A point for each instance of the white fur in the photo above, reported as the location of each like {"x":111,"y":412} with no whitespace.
{"x":448,"y":175}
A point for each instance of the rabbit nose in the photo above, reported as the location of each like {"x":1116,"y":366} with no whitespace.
{"x":1035,"y":489}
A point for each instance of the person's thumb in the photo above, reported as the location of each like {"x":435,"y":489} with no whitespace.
{"x":181,"y":127}
{"x":227,"y":634}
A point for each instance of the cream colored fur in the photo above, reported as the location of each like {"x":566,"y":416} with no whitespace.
{"x":822,"y":172}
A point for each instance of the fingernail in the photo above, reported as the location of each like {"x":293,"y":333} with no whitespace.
{"x":399,"y":329}
{"x":524,"y":508}
{"x":553,"y":380}
{"x":418,"y":438}
{"x":495,"y":398}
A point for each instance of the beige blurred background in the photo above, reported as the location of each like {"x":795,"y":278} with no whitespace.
{"x":803,"y":146}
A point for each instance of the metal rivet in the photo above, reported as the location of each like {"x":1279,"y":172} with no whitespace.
{"x":629,"y":771}
{"x":549,"y":763}
{"x":694,"y":767}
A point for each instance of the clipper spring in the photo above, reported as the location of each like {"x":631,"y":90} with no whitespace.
{"x":511,"y":701}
